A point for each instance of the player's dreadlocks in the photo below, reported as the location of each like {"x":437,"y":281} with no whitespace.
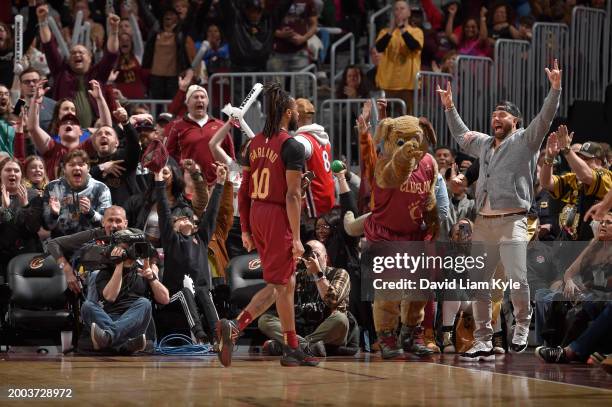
{"x":278,"y":102}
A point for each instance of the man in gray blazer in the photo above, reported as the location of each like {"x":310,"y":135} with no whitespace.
{"x":504,"y":194}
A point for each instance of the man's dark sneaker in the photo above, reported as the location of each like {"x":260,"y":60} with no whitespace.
{"x":227,"y":333}
{"x":316,"y":349}
{"x":516,"y":348}
{"x":551,"y":355}
{"x":498,"y":343}
{"x":100,"y":338}
{"x":133,"y":345}
{"x":200,"y":335}
{"x":272,"y":347}
{"x":388,"y":346}
{"x":519,"y":338}
{"x":297,"y":357}
{"x":478,"y":351}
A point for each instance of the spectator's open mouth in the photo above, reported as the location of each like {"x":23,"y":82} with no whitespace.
{"x":497,"y":127}
{"x":77,"y":176}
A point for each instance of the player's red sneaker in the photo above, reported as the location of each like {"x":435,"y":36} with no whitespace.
{"x":226,"y":333}
{"x":297,"y":357}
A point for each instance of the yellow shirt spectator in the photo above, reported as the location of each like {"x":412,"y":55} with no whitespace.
{"x":399,"y":65}
{"x":567,"y":186}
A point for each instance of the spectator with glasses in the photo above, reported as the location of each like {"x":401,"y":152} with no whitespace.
{"x":28,"y":81}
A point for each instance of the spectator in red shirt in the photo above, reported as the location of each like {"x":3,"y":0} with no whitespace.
{"x":69,"y":130}
{"x":189,"y":136}
{"x":129,"y":77}
{"x":71,"y":76}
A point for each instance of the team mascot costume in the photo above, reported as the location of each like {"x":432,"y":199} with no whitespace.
{"x":403,"y":209}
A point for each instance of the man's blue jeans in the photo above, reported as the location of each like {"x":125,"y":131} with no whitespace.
{"x":131,"y":324}
{"x":598,"y":336}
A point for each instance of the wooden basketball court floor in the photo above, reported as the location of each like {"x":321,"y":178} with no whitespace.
{"x":363,"y":380}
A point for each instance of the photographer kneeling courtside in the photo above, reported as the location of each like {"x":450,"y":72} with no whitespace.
{"x":321,"y":309}
{"x":120,"y":313}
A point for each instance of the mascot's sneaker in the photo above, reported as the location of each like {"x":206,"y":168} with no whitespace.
{"x":297,"y":357}
{"x":551,"y":355}
{"x":479,"y":351}
{"x":498,"y":343}
{"x":388,"y":346}
{"x":447,"y":342}
{"x":430,"y":341}
{"x":226,"y":333}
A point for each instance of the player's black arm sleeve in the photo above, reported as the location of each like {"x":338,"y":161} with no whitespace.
{"x":292,"y":154}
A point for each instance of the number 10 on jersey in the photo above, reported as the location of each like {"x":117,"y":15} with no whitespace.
{"x":261,"y":183}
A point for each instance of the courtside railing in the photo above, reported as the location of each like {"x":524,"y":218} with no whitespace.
{"x":472,"y":91}
{"x":511,"y":71}
{"x":589,"y":56}
{"x":550,"y":41}
{"x":232,"y":87}
{"x":373,"y":27}
{"x":335,"y":72}
{"x":427,"y":102}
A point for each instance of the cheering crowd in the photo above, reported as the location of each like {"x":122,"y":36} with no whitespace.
{"x":79,"y":163}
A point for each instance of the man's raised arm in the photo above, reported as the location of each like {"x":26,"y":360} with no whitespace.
{"x":469,"y":141}
{"x":537,"y":129}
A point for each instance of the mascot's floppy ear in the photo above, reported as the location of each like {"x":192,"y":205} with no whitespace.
{"x":428,"y":131}
{"x":385,"y":126}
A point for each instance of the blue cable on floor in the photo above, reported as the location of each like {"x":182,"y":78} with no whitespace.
{"x":187,"y":348}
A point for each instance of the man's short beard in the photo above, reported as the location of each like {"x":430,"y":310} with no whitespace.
{"x":293,"y":124}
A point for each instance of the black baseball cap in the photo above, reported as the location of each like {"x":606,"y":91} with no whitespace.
{"x":511,"y":108}
{"x":182,"y":212}
{"x":165,"y":117}
{"x":592,"y":150}
{"x":144,"y":126}
{"x":69,"y":117}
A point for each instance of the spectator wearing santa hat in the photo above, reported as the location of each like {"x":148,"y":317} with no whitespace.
{"x":188,"y":137}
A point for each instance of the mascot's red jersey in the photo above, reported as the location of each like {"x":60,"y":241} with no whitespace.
{"x":398,"y":213}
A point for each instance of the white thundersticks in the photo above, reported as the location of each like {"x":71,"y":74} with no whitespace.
{"x":237,"y":113}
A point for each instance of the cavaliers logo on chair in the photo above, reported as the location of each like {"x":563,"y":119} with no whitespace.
{"x":36,"y":262}
{"x":254,"y":264}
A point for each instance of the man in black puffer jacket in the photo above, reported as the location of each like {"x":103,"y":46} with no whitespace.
{"x":186,"y":251}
